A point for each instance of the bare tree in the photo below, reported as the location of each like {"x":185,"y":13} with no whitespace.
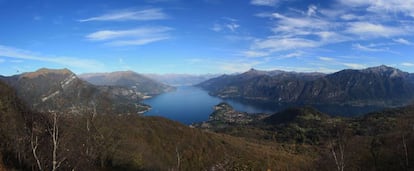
{"x":337,"y":146}
{"x":337,"y":150}
{"x":178,"y":158}
{"x":34,"y":143}
{"x":54,"y":133}
{"x":405,"y":150}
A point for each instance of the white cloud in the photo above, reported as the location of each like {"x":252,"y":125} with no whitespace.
{"x":302,"y":24}
{"x":125,"y":15}
{"x":232,"y":26}
{"x":137,"y":42}
{"x":236,"y":65}
{"x":264,"y":15}
{"x":354,"y":65}
{"x":355,"y":3}
{"x":366,"y":29}
{"x":11,"y":52}
{"x":264,"y":2}
{"x":402,"y":41}
{"x":312,"y":10}
{"x":323,"y":30}
{"x":217,"y":27}
{"x":293,"y":54}
{"x":226,"y":23}
{"x":282,"y":44}
{"x":138,"y":32}
{"x":328,"y":59}
{"x":251,"y":53}
{"x":407,"y":64}
{"x":348,"y":21}
{"x":350,"y":17}
{"x":138,"y":36}
{"x":405,"y":7}
{"x":370,"y":48}
{"x":230,"y":19}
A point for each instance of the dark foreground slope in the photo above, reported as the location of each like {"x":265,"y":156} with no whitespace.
{"x":382,"y":85}
{"x":127,"y":142}
{"x":377,"y":141}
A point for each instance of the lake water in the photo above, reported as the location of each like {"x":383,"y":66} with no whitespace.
{"x":190,"y":104}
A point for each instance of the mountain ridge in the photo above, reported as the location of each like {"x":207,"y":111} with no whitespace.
{"x":380,"y":85}
{"x":61,"y":90}
{"x":128,"y":79}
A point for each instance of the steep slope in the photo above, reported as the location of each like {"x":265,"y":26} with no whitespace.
{"x":380,"y":85}
{"x":128,"y":79}
{"x":377,"y":85}
{"x":62,"y":91}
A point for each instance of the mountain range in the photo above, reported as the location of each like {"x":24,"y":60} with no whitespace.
{"x":382,"y":85}
{"x":128,"y":79}
{"x":181,"y":79}
{"x":62,"y":91}
{"x":52,"y":119}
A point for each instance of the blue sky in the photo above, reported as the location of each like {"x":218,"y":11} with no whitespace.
{"x":205,"y":36}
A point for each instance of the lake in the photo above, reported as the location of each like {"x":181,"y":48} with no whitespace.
{"x":189,"y":104}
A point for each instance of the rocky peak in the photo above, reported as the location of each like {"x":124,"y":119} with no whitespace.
{"x":254,"y":72}
{"x":386,"y":71}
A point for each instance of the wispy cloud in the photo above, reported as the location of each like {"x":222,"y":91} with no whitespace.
{"x":383,"y":6}
{"x":20,"y":54}
{"x":402,"y":41}
{"x":283,"y":44}
{"x":366,"y":29}
{"x":226,"y":23}
{"x":368,"y":48}
{"x":138,"y":36}
{"x":137,"y":42}
{"x":407,"y":64}
{"x":293,"y":55}
{"x":314,"y":26}
{"x":311,"y":10}
{"x":125,"y":15}
{"x":217,"y":27}
{"x":340,"y":62}
{"x":354,"y":65}
{"x":326,"y":59}
{"x":138,"y":32}
{"x":232,"y":26}
{"x":251,"y":53}
{"x":264,"y":2}
{"x":236,"y":65}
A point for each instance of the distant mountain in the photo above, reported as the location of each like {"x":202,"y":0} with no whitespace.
{"x":181,"y":79}
{"x":61,"y":90}
{"x":128,"y":79}
{"x":380,"y":85}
